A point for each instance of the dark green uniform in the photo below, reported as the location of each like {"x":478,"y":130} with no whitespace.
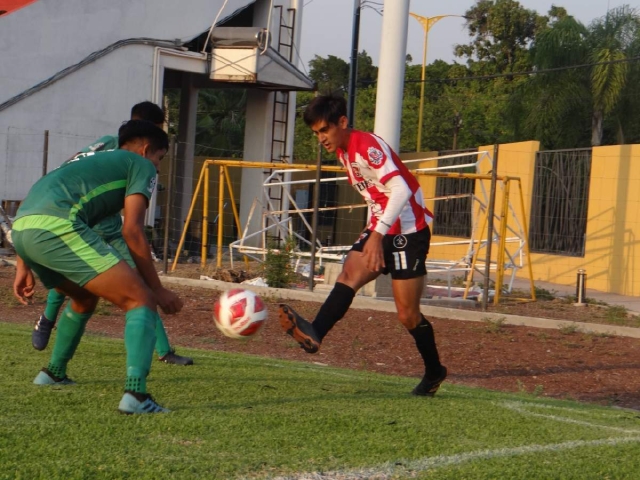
{"x":53,"y":228}
{"x":110,"y":229}
{"x":108,"y":142}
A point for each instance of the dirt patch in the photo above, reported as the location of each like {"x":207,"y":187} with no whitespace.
{"x":552,"y":363}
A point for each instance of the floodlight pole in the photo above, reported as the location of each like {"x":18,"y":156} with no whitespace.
{"x":353,"y":66}
{"x":314,"y":219}
{"x":427,"y":23}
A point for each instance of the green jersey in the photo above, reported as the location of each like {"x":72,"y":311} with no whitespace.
{"x":108,"y":142}
{"x":90,"y":188}
{"x":110,"y":228}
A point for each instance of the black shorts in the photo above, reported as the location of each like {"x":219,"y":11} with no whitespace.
{"x":404,"y":254}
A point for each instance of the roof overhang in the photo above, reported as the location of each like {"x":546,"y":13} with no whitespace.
{"x":249,"y":67}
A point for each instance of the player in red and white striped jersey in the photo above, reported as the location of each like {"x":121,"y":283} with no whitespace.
{"x":396,"y":240}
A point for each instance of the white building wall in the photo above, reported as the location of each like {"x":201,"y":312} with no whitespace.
{"x":47,"y":36}
{"x":78,"y":109}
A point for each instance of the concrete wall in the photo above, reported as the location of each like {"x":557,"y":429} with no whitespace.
{"x":48,"y":36}
{"x":76,"y":110}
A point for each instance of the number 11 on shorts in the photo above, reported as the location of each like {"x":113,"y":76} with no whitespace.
{"x":400,"y":259}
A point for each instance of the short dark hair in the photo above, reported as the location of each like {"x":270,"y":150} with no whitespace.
{"x":148,"y":111}
{"x":135,"y":129}
{"x":329,"y":108}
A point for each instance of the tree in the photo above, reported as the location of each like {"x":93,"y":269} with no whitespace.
{"x":553,"y":107}
{"x":331,"y":74}
{"x":220,"y":122}
{"x":556,"y":104}
{"x":612,"y":38}
{"x":367,"y":71}
{"x":501,"y":32}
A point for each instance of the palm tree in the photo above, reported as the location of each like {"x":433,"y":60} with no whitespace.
{"x":554,"y":103}
{"x":613,"y":40}
{"x":547,"y":105}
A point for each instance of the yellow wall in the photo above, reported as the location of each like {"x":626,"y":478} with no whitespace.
{"x":612,"y":248}
{"x":613,"y":226}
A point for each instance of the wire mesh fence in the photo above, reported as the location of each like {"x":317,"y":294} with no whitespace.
{"x":560,"y":200}
{"x":211,"y":213}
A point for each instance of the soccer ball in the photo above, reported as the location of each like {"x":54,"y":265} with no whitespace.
{"x":239,"y":313}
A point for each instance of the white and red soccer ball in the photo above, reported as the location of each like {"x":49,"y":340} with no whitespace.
{"x":239,"y":313}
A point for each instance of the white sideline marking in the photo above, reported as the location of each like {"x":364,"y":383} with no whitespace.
{"x":519,"y":407}
{"x":324,"y":371}
{"x":415,"y":467}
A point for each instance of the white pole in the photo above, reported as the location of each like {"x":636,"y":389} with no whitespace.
{"x":393,"y":52}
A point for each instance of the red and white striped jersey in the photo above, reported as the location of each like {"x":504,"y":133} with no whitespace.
{"x":370,"y":163}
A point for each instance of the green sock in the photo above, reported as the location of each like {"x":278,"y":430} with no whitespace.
{"x":139,"y":338}
{"x":162,"y":341}
{"x":54,"y":303}
{"x":70,"y":329}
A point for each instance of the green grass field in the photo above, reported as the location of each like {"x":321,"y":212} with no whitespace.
{"x":237,"y":416}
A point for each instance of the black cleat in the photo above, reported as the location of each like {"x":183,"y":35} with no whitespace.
{"x":42,"y":333}
{"x":301,"y":330}
{"x":428,"y":388}
{"x":174,"y":359}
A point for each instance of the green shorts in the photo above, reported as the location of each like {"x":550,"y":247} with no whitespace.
{"x":57,"y":249}
{"x":109,"y":228}
{"x":120,"y":246}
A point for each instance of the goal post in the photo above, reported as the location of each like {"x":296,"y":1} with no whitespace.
{"x":457,"y":251}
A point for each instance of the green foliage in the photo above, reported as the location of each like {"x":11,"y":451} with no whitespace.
{"x":568,"y":108}
{"x":578,"y":107}
{"x":243,"y":416}
{"x":569,"y":328}
{"x":220,"y":120}
{"x":278,"y":270}
{"x":500,"y":30}
{"x":331,"y":74}
{"x":494,"y":325}
{"x":544,"y":294}
{"x":617,"y":314}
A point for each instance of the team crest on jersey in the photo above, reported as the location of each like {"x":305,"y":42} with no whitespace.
{"x":399,"y":241}
{"x":375,"y":156}
{"x":356,"y":170}
{"x":152,"y":185}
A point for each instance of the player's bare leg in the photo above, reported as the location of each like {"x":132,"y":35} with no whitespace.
{"x":123,"y":287}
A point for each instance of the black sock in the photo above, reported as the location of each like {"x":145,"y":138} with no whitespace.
{"x":333,"y":308}
{"x":426,"y":343}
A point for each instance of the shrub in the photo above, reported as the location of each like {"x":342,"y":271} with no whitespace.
{"x":278,"y":271}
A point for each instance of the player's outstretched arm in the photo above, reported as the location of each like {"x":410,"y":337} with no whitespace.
{"x":133,"y":233}
{"x":24,"y":283}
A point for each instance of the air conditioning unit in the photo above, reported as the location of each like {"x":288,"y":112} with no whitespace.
{"x":240,"y":37}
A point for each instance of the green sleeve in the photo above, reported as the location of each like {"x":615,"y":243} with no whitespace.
{"x":142,"y":177}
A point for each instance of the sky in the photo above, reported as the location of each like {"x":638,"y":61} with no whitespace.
{"x":327,"y":26}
